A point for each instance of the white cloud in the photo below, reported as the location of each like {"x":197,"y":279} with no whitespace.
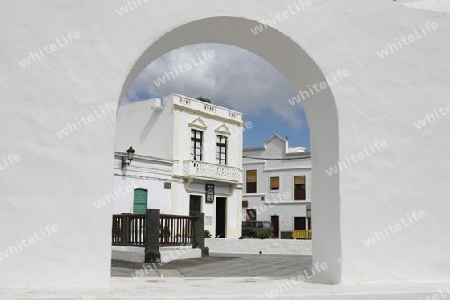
{"x":234,"y":78}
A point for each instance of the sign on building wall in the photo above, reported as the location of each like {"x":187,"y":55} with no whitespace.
{"x":208,"y":220}
{"x":209,"y":188}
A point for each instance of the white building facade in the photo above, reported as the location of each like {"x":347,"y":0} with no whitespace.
{"x":277,"y":186}
{"x":188,"y":159}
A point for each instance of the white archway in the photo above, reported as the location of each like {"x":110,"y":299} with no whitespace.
{"x":58,"y":179}
{"x":300,"y":70}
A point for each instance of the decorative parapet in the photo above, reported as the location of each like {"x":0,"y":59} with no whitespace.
{"x":202,"y":108}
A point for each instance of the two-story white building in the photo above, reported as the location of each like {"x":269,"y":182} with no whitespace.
{"x":277,"y":186}
{"x":188,"y":158}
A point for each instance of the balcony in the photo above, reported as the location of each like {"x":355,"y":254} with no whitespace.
{"x":204,"y":170}
{"x":301,"y":234}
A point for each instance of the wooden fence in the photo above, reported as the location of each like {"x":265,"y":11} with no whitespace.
{"x":177,"y":230}
{"x":129,"y":230}
{"x":174,"y":230}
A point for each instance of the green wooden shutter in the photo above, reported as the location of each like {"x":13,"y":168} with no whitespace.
{"x":140,"y":201}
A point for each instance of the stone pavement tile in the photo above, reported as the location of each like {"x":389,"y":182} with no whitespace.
{"x":170,"y":273}
{"x":121,"y":272}
{"x":249,"y":274}
{"x":135,"y":273}
{"x":148,"y":274}
{"x":270,"y":266}
{"x":265,"y":269}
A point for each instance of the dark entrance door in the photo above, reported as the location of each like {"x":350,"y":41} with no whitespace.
{"x":194,"y":204}
{"x":221,"y":217}
{"x":274,"y":220}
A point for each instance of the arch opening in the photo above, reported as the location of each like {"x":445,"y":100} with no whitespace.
{"x":301,"y":71}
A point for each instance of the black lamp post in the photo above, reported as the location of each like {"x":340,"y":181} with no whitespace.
{"x":130,"y":156}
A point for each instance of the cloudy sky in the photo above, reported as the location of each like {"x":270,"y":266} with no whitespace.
{"x":234,"y":78}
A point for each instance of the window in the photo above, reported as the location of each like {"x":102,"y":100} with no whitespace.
{"x":244,"y":203}
{"x":221,"y":152}
{"x":251,"y":181}
{"x":196,"y":144}
{"x":250,"y":215}
{"x":299,"y":188}
{"x":274,"y":183}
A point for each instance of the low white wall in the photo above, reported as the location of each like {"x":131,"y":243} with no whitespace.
{"x":253,"y":246}
{"x":137,"y":254}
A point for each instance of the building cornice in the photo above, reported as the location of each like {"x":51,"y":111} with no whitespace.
{"x":208,"y":114}
{"x":259,"y":162}
{"x":147,"y":158}
{"x":286,"y":169}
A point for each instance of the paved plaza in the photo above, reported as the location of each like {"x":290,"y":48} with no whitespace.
{"x":219,"y":265}
{"x":224,"y":276}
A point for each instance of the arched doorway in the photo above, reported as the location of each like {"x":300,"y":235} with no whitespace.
{"x":301,"y":71}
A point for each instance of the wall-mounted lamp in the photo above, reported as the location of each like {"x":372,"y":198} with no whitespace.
{"x":130,"y":156}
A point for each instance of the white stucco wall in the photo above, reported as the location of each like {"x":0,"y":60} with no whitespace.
{"x":157,"y":196}
{"x":148,"y":131}
{"x":277,"y":202}
{"x":182,"y":133}
{"x":168,"y":254}
{"x":57,"y":179}
{"x":254,"y":246}
{"x":286,"y":213}
{"x":143,"y":172}
{"x":233,"y":204}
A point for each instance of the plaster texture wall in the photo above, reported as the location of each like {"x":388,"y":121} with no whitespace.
{"x":160,"y":132}
{"x":57,"y":179}
{"x":266,"y":160}
{"x":143,"y":172}
{"x":285,"y":211}
{"x":433,"y":5}
{"x":253,"y":246}
{"x":182,"y":131}
{"x":157,"y":196}
{"x":147,"y":130}
{"x":233,"y":219}
{"x":137,"y":254}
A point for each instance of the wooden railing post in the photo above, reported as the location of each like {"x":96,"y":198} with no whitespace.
{"x":126,"y":229}
{"x":199,"y":233}
{"x":152,"y":253}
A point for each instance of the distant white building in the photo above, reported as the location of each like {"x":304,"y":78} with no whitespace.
{"x":188,"y":159}
{"x":277,"y":186}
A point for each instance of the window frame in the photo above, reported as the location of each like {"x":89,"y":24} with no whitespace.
{"x":195,"y":142}
{"x":221,"y":148}
{"x":251,"y":217}
{"x":270,"y":184}
{"x":304,"y":188}
{"x":254,"y":189}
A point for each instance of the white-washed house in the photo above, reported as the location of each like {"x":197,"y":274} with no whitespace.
{"x":277,"y":186}
{"x":188,"y":158}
